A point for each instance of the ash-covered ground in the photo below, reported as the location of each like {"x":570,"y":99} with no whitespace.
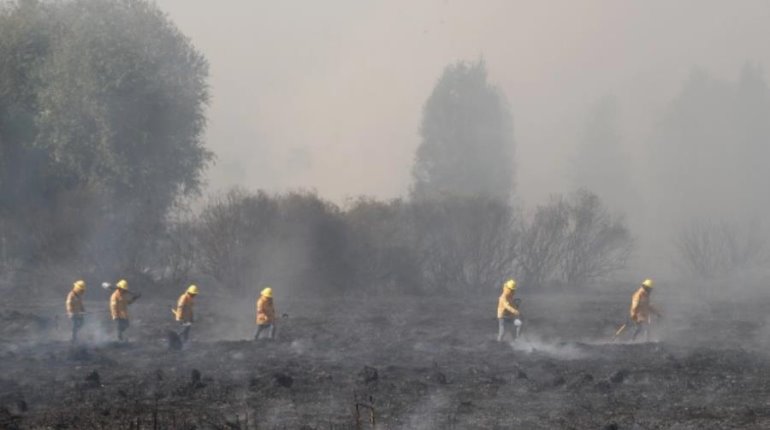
{"x":421,"y":363}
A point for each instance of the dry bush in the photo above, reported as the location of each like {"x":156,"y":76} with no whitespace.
{"x":596,"y":243}
{"x":573,"y":240}
{"x":228,"y":233}
{"x":246,"y":239}
{"x":464,"y":242}
{"x":542,"y":242}
{"x":380,"y":247}
{"x":714,"y":249}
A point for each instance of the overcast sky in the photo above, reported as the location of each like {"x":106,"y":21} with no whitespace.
{"x":328,"y":94}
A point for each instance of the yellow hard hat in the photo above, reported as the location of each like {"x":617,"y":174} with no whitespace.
{"x":647,"y":283}
{"x":192,"y":289}
{"x":510,"y":284}
{"x":79,"y":285}
{"x":122,"y":284}
{"x":267,"y":292}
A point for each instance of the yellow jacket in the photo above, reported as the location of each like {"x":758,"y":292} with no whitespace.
{"x":74,"y":304}
{"x":641,"y":307}
{"x":504,"y":307}
{"x":119,"y":305}
{"x":184,"y":308}
{"x":265,"y":311}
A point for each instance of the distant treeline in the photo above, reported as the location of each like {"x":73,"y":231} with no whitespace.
{"x":298,"y":240}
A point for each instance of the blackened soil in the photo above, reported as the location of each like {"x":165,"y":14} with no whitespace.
{"x":416,"y":363}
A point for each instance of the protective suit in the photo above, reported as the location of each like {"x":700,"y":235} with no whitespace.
{"x":75,"y":309}
{"x":265,"y":314}
{"x":507,"y":314}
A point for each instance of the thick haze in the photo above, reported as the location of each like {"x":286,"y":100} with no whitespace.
{"x":328,"y":95}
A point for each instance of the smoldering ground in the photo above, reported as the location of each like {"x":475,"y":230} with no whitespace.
{"x":422,"y":365}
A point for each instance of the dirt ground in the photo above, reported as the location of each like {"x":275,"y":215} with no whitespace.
{"x":418,"y":363}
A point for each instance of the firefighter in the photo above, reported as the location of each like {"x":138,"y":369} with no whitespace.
{"x":75,"y":308}
{"x":184,"y":311}
{"x":507,"y":314}
{"x":265,"y":314}
{"x":119,"y":302}
{"x":641,"y":309}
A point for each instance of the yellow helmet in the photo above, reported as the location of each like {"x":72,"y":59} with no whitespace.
{"x":510,"y":284}
{"x":267,"y":292}
{"x":122,"y":284}
{"x":192,"y":290}
{"x":79,"y":285}
{"x":647,"y":283}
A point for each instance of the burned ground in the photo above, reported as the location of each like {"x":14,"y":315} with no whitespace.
{"x":421,"y":363}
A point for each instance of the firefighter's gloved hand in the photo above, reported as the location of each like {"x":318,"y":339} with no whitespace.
{"x":517,"y":322}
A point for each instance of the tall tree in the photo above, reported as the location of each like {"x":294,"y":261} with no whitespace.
{"x":102,"y":112}
{"x":467,"y":138}
{"x":600,"y":165}
{"x":711,"y":149}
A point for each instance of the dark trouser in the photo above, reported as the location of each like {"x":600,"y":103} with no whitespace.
{"x":639,"y":327}
{"x":77,"y":324}
{"x":122,"y":326}
{"x":184,"y":332}
{"x":262,"y":327}
{"x":504,"y":325}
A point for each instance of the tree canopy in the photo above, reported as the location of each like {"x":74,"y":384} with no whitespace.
{"x":467,"y":138}
{"x":102,"y":113}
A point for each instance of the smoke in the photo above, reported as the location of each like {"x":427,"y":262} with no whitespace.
{"x":533,"y":344}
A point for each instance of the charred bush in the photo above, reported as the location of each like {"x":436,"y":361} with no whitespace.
{"x":368,"y":375}
{"x":281,"y":379}
{"x":9,"y":420}
{"x":196,"y":379}
{"x":573,"y":240}
{"x":619,"y":376}
{"x":464,"y":243}
{"x":93,"y":380}
{"x":718,"y":249}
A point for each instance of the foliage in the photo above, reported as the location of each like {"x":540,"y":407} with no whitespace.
{"x":718,"y":249}
{"x":101,"y":120}
{"x":574,"y":240}
{"x":467,"y":138}
{"x":456,"y":244}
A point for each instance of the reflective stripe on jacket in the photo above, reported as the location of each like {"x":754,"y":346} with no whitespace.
{"x":184,"y":308}
{"x":265,"y":311}
{"x":119,"y":305}
{"x":74,"y":304}
{"x":504,"y":307}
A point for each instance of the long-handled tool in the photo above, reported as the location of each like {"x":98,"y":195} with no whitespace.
{"x":619,"y":331}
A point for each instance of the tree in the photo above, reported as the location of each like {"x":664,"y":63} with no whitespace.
{"x":711,"y":149}
{"x":600,"y":165}
{"x":573,"y":240}
{"x":230,"y":232}
{"x":102,"y":112}
{"x":463,"y":242}
{"x":711,"y":249}
{"x":596,"y":243}
{"x":380,"y":250}
{"x":467,"y":138}
{"x":541,"y":244}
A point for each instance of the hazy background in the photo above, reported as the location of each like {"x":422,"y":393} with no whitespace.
{"x":329,"y":95}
